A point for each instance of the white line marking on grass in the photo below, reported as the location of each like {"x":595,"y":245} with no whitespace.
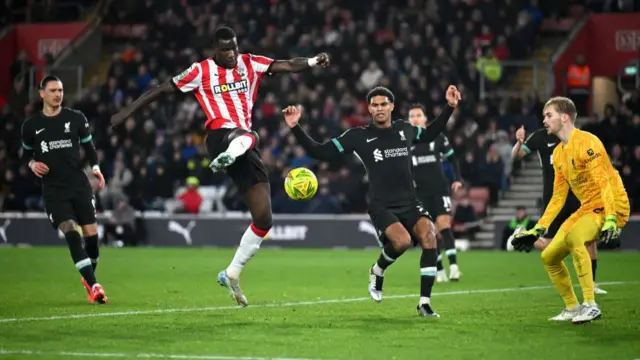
{"x":138,"y":356}
{"x":275,"y":305}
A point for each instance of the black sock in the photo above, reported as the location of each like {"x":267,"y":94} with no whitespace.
{"x":449,"y":245}
{"x":79,"y":256}
{"x":594,"y":266}
{"x":91,"y":247}
{"x":388,"y":256}
{"x":439,"y":259}
{"x":427,"y":271}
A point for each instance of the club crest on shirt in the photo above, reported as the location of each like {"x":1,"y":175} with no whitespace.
{"x":240,"y":71}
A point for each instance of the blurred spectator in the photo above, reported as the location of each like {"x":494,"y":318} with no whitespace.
{"x":465,"y":219}
{"x":121,"y":225}
{"x":190,"y":200}
{"x":579,"y":84}
{"x":521,"y":219}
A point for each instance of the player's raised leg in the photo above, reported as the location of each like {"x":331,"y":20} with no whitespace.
{"x":396,"y":241}
{"x":424,"y":230}
{"x":552,"y":258}
{"x":258,"y":200}
{"x":443,"y":223}
{"x":71,"y":232}
{"x":241,"y":142}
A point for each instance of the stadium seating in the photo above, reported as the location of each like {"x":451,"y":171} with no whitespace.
{"x":417,"y":56}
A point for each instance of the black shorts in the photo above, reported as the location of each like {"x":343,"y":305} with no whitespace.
{"x":570,"y":206}
{"x":78,"y":205}
{"x":408,"y":216}
{"x":247,"y":170}
{"x":436,"y":205}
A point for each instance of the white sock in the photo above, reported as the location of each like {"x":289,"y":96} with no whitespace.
{"x":377,"y":270}
{"x":453,"y":267}
{"x":249,"y":245}
{"x":240,"y":145}
{"x":424,"y":300}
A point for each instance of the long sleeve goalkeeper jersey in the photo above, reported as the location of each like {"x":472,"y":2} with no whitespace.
{"x":584,"y":166}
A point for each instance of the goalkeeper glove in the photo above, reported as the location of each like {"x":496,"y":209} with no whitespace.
{"x":524,"y":241}
{"x":609,"y":234}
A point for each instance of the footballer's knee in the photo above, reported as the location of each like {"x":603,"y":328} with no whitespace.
{"x":425,"y":230}
{"x":89,"y":230}
{"x":443,"y":222}
{"x":238,"y":132}
{"x":399,"y":237}
{"x":68,"y":226}
{"x":548,"y":257}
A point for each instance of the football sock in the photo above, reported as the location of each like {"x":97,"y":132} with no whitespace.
{"x":439,"y":259}
{"x":240,"y":145}
{"x":388,"y":256}
{"x":582,"y":264}
{"x":594,"y":266}
{"x":427,"y":273}
{"x":249,"y":245}
{"x":559,"y":274}
{"x":449,"y":245}
{"x":91,"y":247}
{"x":79,"y":256}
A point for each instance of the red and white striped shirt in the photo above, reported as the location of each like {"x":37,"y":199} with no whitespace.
{"x":226,"y":95}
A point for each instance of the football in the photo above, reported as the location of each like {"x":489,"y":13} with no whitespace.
{"x":301,"y":184}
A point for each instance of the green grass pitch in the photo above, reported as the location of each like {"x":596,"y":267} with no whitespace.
{"x":304,"y":304}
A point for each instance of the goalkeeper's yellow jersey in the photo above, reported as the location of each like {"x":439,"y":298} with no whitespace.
{"x":584,"y":166}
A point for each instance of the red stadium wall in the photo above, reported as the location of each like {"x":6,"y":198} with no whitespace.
{"x":37,"y":40}
{"x":9,"y":50}
{"x":607,"y":41}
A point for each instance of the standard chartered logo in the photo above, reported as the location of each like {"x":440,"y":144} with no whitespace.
{"x":390,"y":153}
{"x":54,"y":145}
{"x":377,"y":155}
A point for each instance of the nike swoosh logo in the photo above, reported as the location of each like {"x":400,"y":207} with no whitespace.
{"x":39,"y":131}
{"x":370,"y":140}
{"x":550,"y":145}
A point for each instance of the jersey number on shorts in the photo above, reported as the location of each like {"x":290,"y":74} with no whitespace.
{"x":446,"y":202}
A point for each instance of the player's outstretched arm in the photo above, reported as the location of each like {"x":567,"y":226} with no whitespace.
{"x":299,"y":64}
{"x":324,"y":151}
{"x":560,"y":192}
{"x":437,"y":126}
{"x":186,"y":81}
{"x":145,"y":99}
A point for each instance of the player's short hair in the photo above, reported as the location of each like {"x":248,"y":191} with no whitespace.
{"x":224,"y":33}
{"x":380,"y":91}
{"x":418,"y":106}
{"x":47,"y":79}
{"x":563,"y":105}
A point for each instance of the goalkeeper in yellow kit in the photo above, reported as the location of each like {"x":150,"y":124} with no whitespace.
{"x":581,"y":163}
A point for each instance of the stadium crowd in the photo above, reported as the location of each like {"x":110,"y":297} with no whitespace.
{"x":414,"y":47}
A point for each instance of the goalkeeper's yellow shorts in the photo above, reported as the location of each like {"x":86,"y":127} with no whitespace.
{"x":623,"y":209}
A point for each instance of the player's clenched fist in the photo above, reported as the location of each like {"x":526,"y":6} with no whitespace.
{"x":520,"y":134}
{"x":292,"y":115}
{"x":323,"y":59}
{"x":38,"y":168}
{"x":453,"y":96}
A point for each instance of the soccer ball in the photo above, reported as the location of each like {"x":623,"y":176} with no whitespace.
{"x":301,"y":184}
